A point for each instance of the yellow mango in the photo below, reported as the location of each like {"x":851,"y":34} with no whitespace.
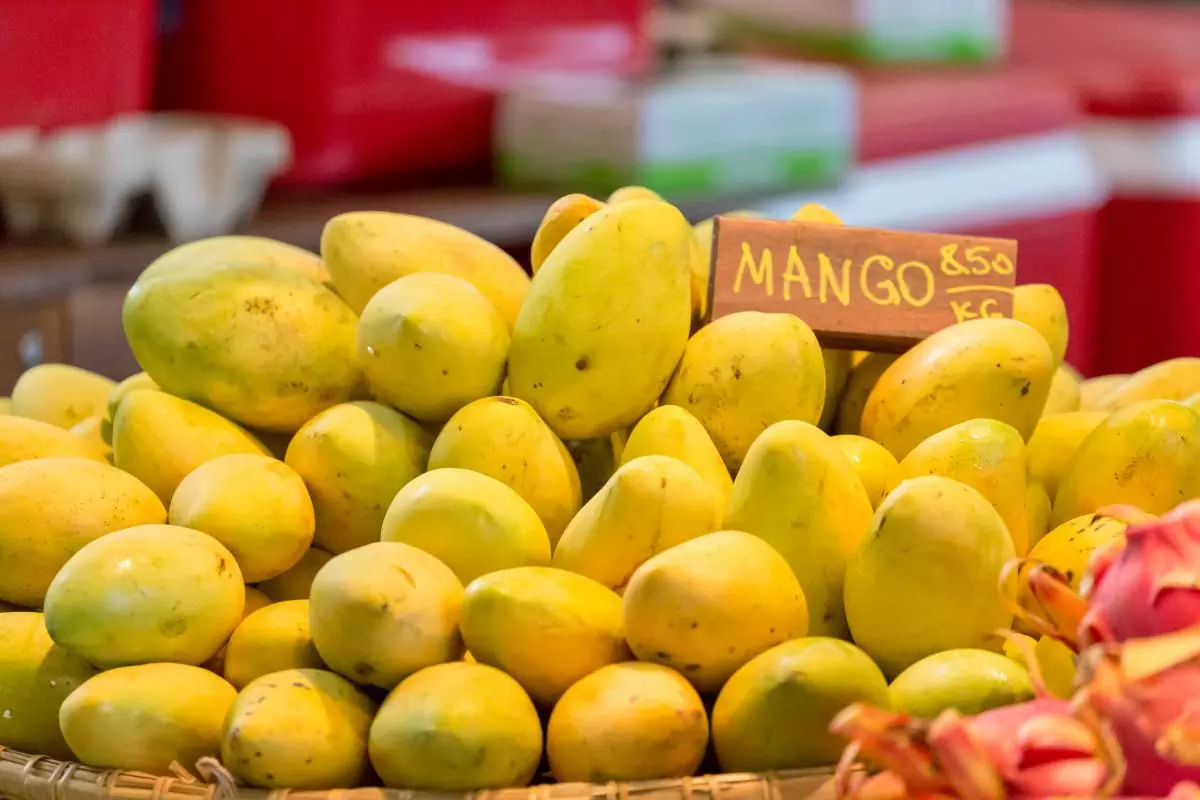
{"x":24,"y":439}
{"x":221,"y":251}
{"x":595,"y":463}
{"x":1038,"y":509}
{"x":863,"y":377}
{"x":139,"y":380}
{"x":353,"y":459}
{"x":1175,"y":379}
{"x":367,"y":250}
{"x":431,"y":343}
{"x":299,"y":729}
{"x":1064,"y":393}
{"x":384,"y":611}
{"x":160,"y":439}
{"x":991,"y":368}
{"x":815,"y":212}
{"x":745,"y":372}
{"x":633,"y":194}
{"x":1145,"y":455}
{"x":5,"y":406}
{"x":296,"y":583}
{"x":799,"y":492}
{"x":263,"y":345}
{"x":254,"y":601}
{"x":273,"y":639}
{"x":926,"y":577}
{"x":1069,"y":547}
{"x":627,"y":722}
{"x":1054,"y":442}
{"x":1055,"y":661}
{"x":562,"y":217}
{"x":837,"y":373}
{"x":673,"y":431}
{"x":876,"y":468}
{"x":472,"y":523}
{"x":605,"y":321}
{"x":737,"y":593}
{"x":1192,"y":402}
{"x":457,"y":728}
{"x":986,"y":455}
{"x":254,"y":505}
{"x":545,"y":627}
{"x":650,"y":504}
{"x":89,"y":431}
{"x":1041,"y":307}
{"x":51,"y":507}
{"x":967,"y":680}
{"x":1093,"y":391}
{"x":60,"y":394}
{"x":505,"y":439}
{"x":146,"y":718}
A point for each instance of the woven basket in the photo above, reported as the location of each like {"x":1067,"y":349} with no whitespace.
{"x":26,"y":777}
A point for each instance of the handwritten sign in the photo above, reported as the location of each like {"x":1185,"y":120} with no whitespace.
{"x":859,"y":287}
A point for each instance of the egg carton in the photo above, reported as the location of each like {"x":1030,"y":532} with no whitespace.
{"x":206,"y":175}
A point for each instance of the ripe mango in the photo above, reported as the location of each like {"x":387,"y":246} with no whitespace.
{"x":815,"y":212}
{"x":709,"y":605}
{"x":650,"y":505}
{"x":745,"y":372}
{"x":273,"y":639}
{"x":1175,"y":379}
{"x":51,"y":507}
{"x":991,"y":368}
{"x":1064,"y":393}
{"x":60,"y":394}
{"x":1054,"y":442}
{"x":431,"y":343}
{"x":545,"y":627}
{"x":89,"y":431}
{"x":966,"y":680}
{"x":673,"y":431}
{"x":263,"y":345}
{"x":471,"y":523}
{"x":876,"y":468}
{"x":632,"y":194}
{"x":925,"y":579}
{"x":136,"y":381}
{"x":1093,"y":391}
{"x":1041,"y":307}
{"x":367,"y":250}
{"x":254,"y":601}
{"x":605,"y":321}
{"x":384,"y":611}
{"x":627,"y":722}
{"x":505,"y":439}
{"x":296,"y":583}
{"x":456,"y":728}
{"x":800,"y":494}
{"x":144,"y":594}
{"x":1069,"y":547}
{"x":147,"y":717}
{"x":5,"y":406}
{"x":353,"y":459}
{"x":1038,"y":509}
{"x":562,"y":217}
{"x":837,"y":374}
{"x":221,"y":251}
{"x":863,"y":377}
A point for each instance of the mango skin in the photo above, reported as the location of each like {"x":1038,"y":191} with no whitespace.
{"x":1054,"y":442}
{"x":367,"y":250}
{"x":24,"y":439}
{"x":262,"y":345}
{"x":273,"y":639}
{"x":298,"y":729}
{"x":837,"y":374}
{"x":633,"y":194}
{"x":1146,"y":455}
{"x":1093,"y":390}
{"x":221,"y":251}
{"x":354,"y":458}
{"x":5,"y":406}
{"x":562,"y":217}
{"x":147,"y":717}
{"x":36,"y":676}
{"x":605,"y":321}
{"x":60,"y":394}
{"x":255,"y":600}
{"x":627,"y":722}
{"x":952,"y":377}
{"x":968,"y":681}
{"x":455,"y":728}
{"x":774,"y":713}
{"x":384,"y":611}
{"x":139,"y":380}
{"x":1038,"y":509}
{"x":745,"y":372}
{"x":801,"y":495}
{"x":1041,"y":307}
{"x":673,"y":431}
{"x":1069,"y":547}
{"x":145,"y":594}
{"x":737,"y":594}
{"x":877,"y":469}
{"x":1174,"y":379}
{"x":89,"y":432}
{"x":1064,"y":393}
{"x":296,"y":583}
{"x":925,"y":579}
{"x":863,"y":377}
{"x":545,"y":627}
{"x":51,"y":507}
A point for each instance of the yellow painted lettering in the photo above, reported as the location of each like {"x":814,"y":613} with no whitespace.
{"x":829,"y":279}
{"x":987,"y":308}
{"x":906,"y":290}
{"x":950,"y":263}
{"x":962,"y":310}
{"x":796,"y":273}
{"x":1003,"y":264}
{"x":976,"y":255}
{"x":760,"y":272}
{"x":891,"y":295}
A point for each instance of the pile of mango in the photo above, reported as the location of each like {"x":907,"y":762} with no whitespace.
{"x":399,"y":514}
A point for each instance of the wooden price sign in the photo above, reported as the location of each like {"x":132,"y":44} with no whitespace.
{"x":859,"y":287}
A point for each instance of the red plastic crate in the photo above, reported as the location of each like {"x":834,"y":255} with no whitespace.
{"x":373,"y":88}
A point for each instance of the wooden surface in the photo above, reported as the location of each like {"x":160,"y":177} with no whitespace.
{"x":860,"y":287}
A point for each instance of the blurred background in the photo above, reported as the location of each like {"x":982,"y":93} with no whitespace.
{"x":128,"y":126}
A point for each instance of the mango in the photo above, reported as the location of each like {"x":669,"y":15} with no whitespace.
{"x":254,"y":505}
{"x":1038,"y":509}
{"x":1053,"y":660}
{"x":925,"y":579}
{"x":384,"y":611}
{"x":471,"y":523}
{"x":273,"y":639}
{"x":1054,"y":442}
{"x":254,"y":601}
{"x":51,"y":507}
{"x":504,"y":438}
{"x":709,"y":605}
{"x":354,"y":458}
{"x":1174,"y":379}
{"x":966,"y":680}
{"x":456,"y":728}
{"x":702,"y":237}
{"x":1041,"y":307}
{"x":876,"y":468}
{"x":863,"y":377}
{"x":298,"y":729}
{"x":147,"y":717}
{"x":952,"y":377}
{"x":221,"y":251}
{"x":89,"y":431}
{"x":144,"y":594}
{"x":160,"y":439}
{"x":136,"y":381}
{"x":545,"y":627}
{"x":774,"y":713}
{"x":1069,"y":547}
{"x":673,"y":431}
{"x":562,"y":217}
{"x":837,"y":374}
{"x":633,"y":194}
{"x":5,"y":406}
{"x":296,"y":583}
{"x":745,"y":372}
{"x":798,"y":493}
{"x":595,"y":463}
{"x":431,"y":343}
{"x":627,"y":722}
{"x":605,"y":321}
{"x":1093,"y":391}
{"x":1064,"y":393}
{"x":1192,"y":401}
{"x":367,"y":250}
{"x":651,"y":504}
{"x":60,"y":394}
{"x":1146,"y":455}
{"x":36,"y":676}
{"x":815,"y":212}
